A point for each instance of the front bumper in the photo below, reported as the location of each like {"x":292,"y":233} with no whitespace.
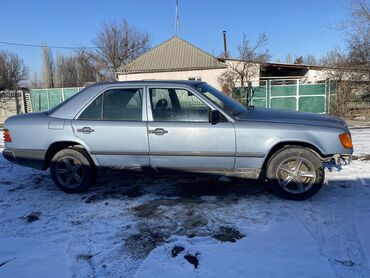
{"x":24,"y":157}
{"x":337,"y":161}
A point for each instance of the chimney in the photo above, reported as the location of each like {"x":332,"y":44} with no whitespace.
{"x":225,"y":45}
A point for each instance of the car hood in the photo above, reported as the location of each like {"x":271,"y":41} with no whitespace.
{"x":291,"y":117}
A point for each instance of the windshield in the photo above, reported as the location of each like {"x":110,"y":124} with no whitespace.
{"x":230,"y":105}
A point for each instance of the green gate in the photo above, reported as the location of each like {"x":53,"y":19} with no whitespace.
{"x":293,"y":95}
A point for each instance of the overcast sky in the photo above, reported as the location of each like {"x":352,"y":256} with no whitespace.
{"x":292,"y":26}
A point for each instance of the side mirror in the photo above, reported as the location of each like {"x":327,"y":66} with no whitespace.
{"x":214,"y":116}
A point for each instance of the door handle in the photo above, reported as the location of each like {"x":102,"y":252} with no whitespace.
{"x":85,"y":130}
{"x":158,"y":131}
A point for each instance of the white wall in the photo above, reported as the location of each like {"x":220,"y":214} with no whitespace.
{"x":253,"y":70}
{"x":210,"y":76}
{"x":314,"y":75}
{"x":11,"y":103}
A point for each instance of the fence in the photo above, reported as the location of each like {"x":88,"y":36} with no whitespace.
{"x":360,"y":105}
{"x":13,"y":103}
{"x":284,"y":94}
{"x":293,"y":95}
{"x":45,"y":99}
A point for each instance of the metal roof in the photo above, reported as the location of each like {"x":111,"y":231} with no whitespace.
{"x":174,"y":54}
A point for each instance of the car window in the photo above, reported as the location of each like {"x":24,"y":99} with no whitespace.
{"x":160,"y":94}
{"x":228,"y":104}
{"x":94,"y":110}
{"x":177,"y":105}
{"x":116,"y":104}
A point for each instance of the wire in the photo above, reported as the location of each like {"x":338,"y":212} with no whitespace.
{"x":49,"y":46}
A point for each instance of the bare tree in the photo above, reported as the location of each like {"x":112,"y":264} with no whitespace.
{"x":228,"y":81}
{"x":310,"y":60}
{"x":350,"y":69}
{"x":119,"y":43}
{"x":88,"y":69}
{"x":348,"y":79}
{"x":358,"y":33}
{"x":47,"y":68}
{"x":76,"y":69}
{"x":336,"y":62}
{"x":35,"y":83}
{"x":289,"y":58}
{"x":247,"y":65}
{"x":65,"y":73}
{"x":12,"y":70}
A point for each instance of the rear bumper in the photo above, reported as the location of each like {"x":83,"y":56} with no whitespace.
{"x":24,"y":157}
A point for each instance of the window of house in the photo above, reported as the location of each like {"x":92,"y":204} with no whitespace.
{"x":195,"y":78}
{"x":177,"y":105}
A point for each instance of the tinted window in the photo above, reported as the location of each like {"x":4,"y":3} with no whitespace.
{"x":94,"y":110}
{"x":123,"y":104}
{"x":116,"y":104}
{"x":177,"y":105}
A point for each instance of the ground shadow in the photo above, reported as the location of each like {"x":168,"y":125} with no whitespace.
{"x":116,"y":183}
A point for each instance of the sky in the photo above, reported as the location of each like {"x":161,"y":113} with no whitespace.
{"x":292,"y":26}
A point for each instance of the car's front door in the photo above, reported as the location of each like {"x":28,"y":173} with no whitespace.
{"x":181,"y":136}
{"x":114,"y":127}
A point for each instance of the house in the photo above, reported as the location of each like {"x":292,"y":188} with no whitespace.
{"x":177,"y":59}
{"x":174,"y":59}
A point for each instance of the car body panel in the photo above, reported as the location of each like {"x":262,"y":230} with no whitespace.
{"x":191,"y":145}
{"x":291,"y":117}
{"x":117,"y":150}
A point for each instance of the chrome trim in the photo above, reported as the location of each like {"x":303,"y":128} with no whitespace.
{"x":247,"y":154}
{"x":212,"y":154}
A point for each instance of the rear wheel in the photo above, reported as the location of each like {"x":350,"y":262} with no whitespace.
{"x":72,"y":170}
{"x":295,"y":173}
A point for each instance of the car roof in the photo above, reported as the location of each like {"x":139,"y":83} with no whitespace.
{"x":151,"y":81}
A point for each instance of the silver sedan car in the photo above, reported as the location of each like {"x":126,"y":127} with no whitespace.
{"x":186,"y":126}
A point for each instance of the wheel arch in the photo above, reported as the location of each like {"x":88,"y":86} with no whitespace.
{"x":290,"y":144}
{"x":60,"y":145}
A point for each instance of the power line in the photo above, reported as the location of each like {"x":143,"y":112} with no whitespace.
{"x":49,"y":46}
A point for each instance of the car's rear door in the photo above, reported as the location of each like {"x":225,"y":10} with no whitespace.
{"x":181,"y":136}
{"x":114,"y":127}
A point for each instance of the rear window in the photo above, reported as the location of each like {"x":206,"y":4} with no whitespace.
{"x":116,"y":105}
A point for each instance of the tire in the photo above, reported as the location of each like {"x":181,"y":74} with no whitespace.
{"x":295,"y":173}
{"x":72,"y":170}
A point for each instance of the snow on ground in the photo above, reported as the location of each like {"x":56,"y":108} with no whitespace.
{"x":135,"y":225}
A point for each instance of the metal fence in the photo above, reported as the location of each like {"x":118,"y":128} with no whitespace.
{"x":284,"y":94}
{"x":294,"y":95}
{"x":45,"y":99}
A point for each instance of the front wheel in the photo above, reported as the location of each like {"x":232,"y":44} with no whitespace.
{"x":72,"y":170}
{"x":295,"y":173}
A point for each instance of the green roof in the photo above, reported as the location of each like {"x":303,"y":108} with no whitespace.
{"x":174,"y":54}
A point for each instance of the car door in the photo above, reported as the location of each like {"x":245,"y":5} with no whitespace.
{"x":113,"y":125}
{"x":181,"y":136}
